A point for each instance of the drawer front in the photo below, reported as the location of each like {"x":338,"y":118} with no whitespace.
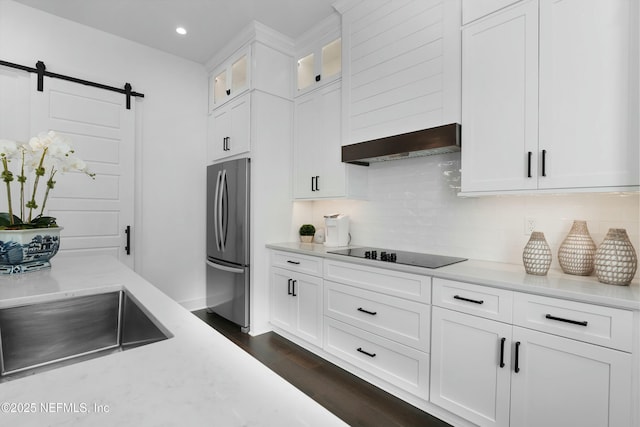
{"x":487,"y":302}
{"x":395,"y":363}
{"x":397,"y":319}
{"x":606,"y":326}
{"x":395,"y":283}
{"x":296,"y":262}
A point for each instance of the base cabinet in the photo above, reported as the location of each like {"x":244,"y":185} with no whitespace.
{"x":471,"y":367}
{"x":296,"y":304}
{"x":495,"y":373}
{"x":562,"y":382}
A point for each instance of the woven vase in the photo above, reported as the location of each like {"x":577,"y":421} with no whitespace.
{"x":616,"y":261}
{"x":577,"y":251}
{"x":536,"y":256}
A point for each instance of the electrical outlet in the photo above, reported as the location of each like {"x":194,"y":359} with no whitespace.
{"x":529,"y":225}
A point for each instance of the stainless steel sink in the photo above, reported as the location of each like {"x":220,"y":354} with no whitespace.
{"x":46,"y":335}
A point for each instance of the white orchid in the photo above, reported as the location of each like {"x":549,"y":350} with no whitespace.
{"x":45,"y":154}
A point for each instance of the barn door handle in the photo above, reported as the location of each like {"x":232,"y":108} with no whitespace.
{"x":127,"y":248}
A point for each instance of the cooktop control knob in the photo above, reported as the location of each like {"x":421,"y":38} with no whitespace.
{"x":383,"y":256}
{"x":392,"y":257}
{"x":367,"y":254}
{"x":374,"y":255}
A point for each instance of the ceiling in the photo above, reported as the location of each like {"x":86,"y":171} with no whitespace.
{"x":210,"y":23}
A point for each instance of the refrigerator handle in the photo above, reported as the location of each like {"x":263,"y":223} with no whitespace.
{"x":221,"y":206}
{"x":216,"y":214}
{"x":225,"y":268}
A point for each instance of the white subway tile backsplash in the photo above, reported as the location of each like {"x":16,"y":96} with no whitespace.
{"x":413,"y":205}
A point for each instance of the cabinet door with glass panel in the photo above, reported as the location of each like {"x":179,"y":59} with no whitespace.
{"x":230,"y":79}
{"x":319,"y":65}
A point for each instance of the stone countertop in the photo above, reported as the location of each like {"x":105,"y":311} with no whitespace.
{"x":195,"y":378}
{"x":500,"y":275}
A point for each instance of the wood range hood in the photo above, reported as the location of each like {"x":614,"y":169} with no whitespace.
{"x":426,"y":142}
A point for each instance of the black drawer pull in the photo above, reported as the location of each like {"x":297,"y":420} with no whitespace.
{"x":502,"y":340}
{"x":560,"y":319}
{"x":366,"y":352}
{"x":516,"y":367}
{"x":475,"y":301}
{"x":289,"y":287}
{"x":293,"y":262}
{"x":373,"y":313}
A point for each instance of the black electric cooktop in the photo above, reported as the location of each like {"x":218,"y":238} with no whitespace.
{"x":400,"y":257}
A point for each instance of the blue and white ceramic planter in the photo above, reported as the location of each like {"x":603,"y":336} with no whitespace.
{"x":28,"y":250}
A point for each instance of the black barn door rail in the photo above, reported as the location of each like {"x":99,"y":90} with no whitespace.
{"x":41,"y":71}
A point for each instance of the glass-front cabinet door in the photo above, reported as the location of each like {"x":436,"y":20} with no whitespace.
{"x":230,"y":79}
{"x":319,"y":66}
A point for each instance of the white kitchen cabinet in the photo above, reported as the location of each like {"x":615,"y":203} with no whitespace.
{"x":296,"y":304}
{"x":471,"y":366}
{"x":230,"y":79}
{"x":377,"y":323}
{"x":229,"y":129}
{"x":318,"y":168}
{"x":561,"y":382}
{"x":589,"y":93}
{"x":543,"y":368}
{"x":500,"y":101}
{"x":319,"y":65}
{"x":400,"y":66}
{"x":550,"y":101}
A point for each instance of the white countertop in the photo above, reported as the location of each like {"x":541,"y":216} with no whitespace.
{"x":500,"y":275}
{"x":195,"y":378}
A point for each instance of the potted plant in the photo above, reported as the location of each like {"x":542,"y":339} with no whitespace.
{"x":306,"y":233}
{"x":28,"y":238}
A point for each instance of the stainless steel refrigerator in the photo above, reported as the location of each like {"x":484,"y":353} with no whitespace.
{"x":228,"y":240}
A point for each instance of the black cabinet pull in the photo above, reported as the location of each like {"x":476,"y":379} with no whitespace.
{"x":544,"y":162}
{"x":127,"y":247}
{"x":373,"y":313}
{"x":366,"y":352}
{"x":475,"y":301}
{"x":293,"y":262}
{"x":313,"y":187}
{"x":289,"y":287}
{"x":317,"y":183}
{"x":294,"y":288}
{"x":228,"y":92}
{"x":529,"y":154}
{"x":516,"y":367}
{"x":560,"y":319}
{"x":502,"y":340}
{"x":318,"y":78}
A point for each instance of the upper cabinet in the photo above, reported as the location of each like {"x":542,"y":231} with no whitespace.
{"x":230,"y":79}
{"x":400,"y":66}
{"x":320,"y":66}
{"x":318,"y":56}
{"x":256,"y":60}
{"x":550,"y":98}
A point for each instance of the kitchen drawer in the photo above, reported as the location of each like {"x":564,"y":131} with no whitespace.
{"x":606,"y":326}
{"x":296,"y":262}
{"x":395,"y":283}
{"x":483,"y":301}
{"x":397,"y":319}
{"x":395,"y":363}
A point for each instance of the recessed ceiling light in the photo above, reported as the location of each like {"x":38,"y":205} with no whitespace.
{"x":181,"y":30}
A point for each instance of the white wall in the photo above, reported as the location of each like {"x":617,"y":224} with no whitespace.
{"x":413,"y":206}
{"x":171,"y":133}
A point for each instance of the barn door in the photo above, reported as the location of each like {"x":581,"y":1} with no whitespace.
{"x":94,"y":213}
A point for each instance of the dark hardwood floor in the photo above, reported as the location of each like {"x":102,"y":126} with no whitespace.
{"x":355,"y":401}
